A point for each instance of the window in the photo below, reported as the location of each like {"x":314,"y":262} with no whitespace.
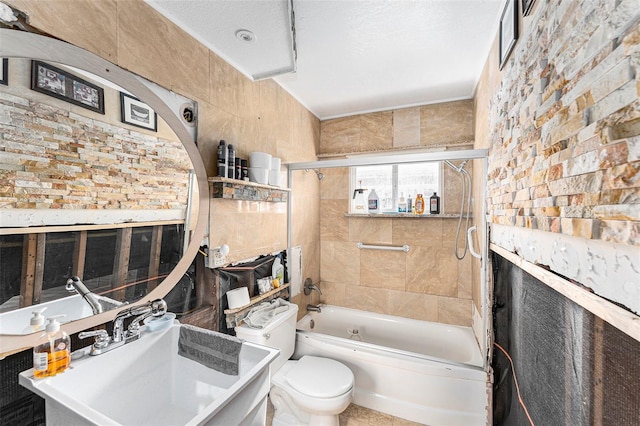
{"x":395,"y":180}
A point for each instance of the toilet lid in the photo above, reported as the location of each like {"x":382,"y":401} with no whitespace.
{"x":320,"y":377}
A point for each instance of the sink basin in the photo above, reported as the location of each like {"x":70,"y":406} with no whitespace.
{"x":146,"y":382}
{"x":73,"y":307}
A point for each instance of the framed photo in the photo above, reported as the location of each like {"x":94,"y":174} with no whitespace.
{"x":137,"y":113}
{"x":53,"y":81}
{"x":526,"y":6}
{"x":4,"y":71}
{"x":508,"y":30}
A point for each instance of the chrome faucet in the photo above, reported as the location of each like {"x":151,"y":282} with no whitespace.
{"x":74,"y":284}
{"x":314,"y":308}
{"x":309,"y":286}
{"x":103,"y":343}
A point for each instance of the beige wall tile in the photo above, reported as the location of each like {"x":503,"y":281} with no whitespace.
{"x":376,"y":131}
{"x":144,"y":33}
{"x":382,"y":269}
{"x":465,"y":277}
{"x":311,"y":261}
{"x":334,"y":226}
{"x":449,"y":232}
{"x":422,"y":307}
{"x":335,"y":185}
{"x":432,"y":271}
{"x":370,"y":231}
{"x":54,"y":17}
{"x":333,"y":293}
{"x":406,"y":127}
{"x":224,"y":81}
{"x":339,"y":262}
{"x":421,"y":232}
{"x":446,"y":123}
{"x":367,"y":299}
{"x":340,"y":135}
{"x":454,"y":311}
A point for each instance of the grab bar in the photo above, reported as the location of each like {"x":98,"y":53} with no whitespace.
{"x":472,"y":250}
{"x":404,"y":248}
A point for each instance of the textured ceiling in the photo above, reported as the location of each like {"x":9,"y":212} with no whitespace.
{"x":354,"y":56}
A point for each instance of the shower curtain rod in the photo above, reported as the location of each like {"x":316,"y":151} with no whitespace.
{"x":372,"y":160}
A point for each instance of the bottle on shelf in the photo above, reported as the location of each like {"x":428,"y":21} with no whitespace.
{"x":52,"y":354}
{"x":374,"y":202}
{"x":222,"y":159}
{"x":402,"y":204}
{"x":434,"y":204}
{"x":231,"y":162}
{"x":409,"y":204}
{"x":419,"y":204}
{"x":238,"y":174}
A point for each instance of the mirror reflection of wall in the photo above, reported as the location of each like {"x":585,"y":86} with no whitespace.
{"x":100,"y":196}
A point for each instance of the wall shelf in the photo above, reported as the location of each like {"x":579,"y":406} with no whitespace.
{"x":405,"y":216}
{"x":233,"y":189}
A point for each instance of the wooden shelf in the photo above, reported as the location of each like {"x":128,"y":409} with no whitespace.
{"x":233,"y":189}
{"x":233,"y":316}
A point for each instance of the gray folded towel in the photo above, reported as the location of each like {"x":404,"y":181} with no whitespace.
{"x":218,"y":351}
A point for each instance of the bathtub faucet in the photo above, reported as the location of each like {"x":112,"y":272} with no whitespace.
{"x":314,"y":308}
{"x":309,"y":286}
{"x":75,"y":284}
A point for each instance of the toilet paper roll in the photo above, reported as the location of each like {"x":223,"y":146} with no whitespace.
{"x":238,"y":297}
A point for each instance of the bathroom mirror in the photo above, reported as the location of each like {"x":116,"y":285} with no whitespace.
{"x":115,"y":111}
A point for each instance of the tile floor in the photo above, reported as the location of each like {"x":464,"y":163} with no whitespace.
{"x":356,"y":415}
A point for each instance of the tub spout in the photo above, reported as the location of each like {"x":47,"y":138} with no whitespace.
{"x":74,"y":284}
{"x":310,"y":286}
{"x":314,"y":308}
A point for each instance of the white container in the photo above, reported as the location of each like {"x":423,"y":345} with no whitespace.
{"x":238,"y":297}
{"x":276,"y":163}
{"x":259,"y":175}
{"x":260,"y":160}
{"x":274,"y":177}
{"x":373,"y":202}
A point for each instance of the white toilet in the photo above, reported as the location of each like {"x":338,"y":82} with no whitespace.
{"x":310,"y":391}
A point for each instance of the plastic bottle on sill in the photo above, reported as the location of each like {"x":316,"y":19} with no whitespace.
{"x":409,"y":204}
{"x":434,"y":204}
{"x":373,"y":202}
{"x":231,"y":162}
{"x":419,"y":204}
{"x":402,"y":204}
{"x":52,"y":354}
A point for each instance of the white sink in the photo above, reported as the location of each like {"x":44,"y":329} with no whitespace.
{"x":73,"y":307}
{"x":146,"y":382}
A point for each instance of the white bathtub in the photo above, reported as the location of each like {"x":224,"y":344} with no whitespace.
{"x":421,"y":371}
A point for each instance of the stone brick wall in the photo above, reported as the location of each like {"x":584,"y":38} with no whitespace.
{"x":53,"y":158}
{"x":564,"y":123}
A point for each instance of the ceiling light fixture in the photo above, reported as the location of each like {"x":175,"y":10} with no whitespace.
{"x":245,"y":36}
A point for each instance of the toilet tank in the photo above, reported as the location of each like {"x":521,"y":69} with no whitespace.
{"x":280,"y":333}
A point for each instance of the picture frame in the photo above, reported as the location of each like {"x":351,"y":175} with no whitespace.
{"x":60,"y":84}
{"x":508,"y":30}
{"x":136,"y":113}
{"x":526,"y":6}
{"x":4,"y":71}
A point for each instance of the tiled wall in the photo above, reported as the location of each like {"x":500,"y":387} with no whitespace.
{"x":562,"y":122}
{"x":428,"y":282}
{"x":254,"y":116}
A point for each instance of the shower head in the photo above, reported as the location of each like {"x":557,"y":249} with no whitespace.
{"x":318,"y":173}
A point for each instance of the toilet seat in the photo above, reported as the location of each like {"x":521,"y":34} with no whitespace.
{"x":319,"y":377}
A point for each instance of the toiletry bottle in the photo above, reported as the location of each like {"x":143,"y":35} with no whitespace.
{"x":36,"y":323}
{"x":419,"y":204}
{"x":409,"y":204}
{"x":434,"y":204}
{"x":231,"y":162}
{"x":373,"y":202}
{"x":222,"y":159}
{"x":402,"y":204}
{"x":238,"y":169}
{"x":277,"y":273}
{"x":245,"y":170}
{"x":360,"y":203}
{"x":52,"y":354}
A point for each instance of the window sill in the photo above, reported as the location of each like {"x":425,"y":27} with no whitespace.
{"x":405,"y":215}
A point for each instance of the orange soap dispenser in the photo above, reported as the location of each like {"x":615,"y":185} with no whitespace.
{"x":52,"y":354}
{"x":419,"y":204}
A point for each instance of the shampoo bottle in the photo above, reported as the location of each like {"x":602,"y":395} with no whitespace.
{"x":402,"y":204}
{"x":222,"y":159}
{"x":409,"y":204}
{"x":419,"y":204}
{"x":373,"y":202}
{"x":277,"y":273}
{"x":52,"y":354}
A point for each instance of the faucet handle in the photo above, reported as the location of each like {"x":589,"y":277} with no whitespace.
{"x":102,"y":338}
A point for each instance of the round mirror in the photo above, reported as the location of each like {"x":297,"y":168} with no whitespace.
{"x":105,"y":183}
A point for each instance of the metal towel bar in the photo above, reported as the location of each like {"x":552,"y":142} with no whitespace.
{"x":404,"y":248}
